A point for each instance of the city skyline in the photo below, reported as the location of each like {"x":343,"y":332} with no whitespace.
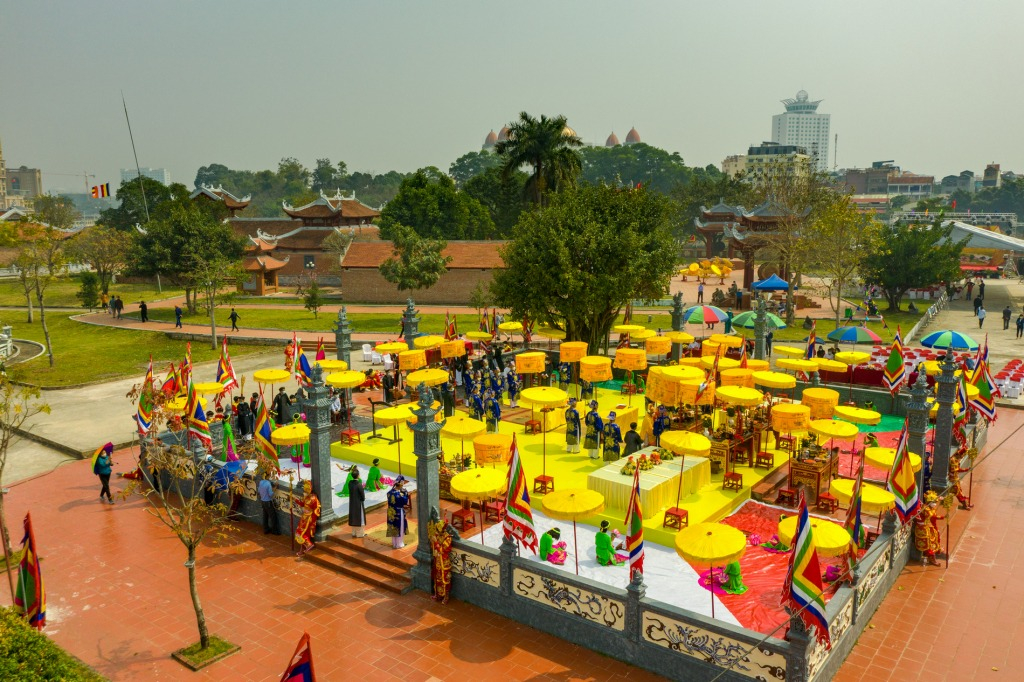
{"x":245,"y":84}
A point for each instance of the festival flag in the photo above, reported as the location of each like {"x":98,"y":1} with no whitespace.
{"x":811,"y":340}
{"x":263,"y":429}
{"x":30,"y":597}
{"x":198,"y":427}
{"x":627,"y":316}
{"x":186,"y":365}
{"x":172,"y":383}
{"x":451,"y":328}
{"x":101,"y":191}
{"x":982,"y":357}
{"x":485,"y":324}
{"x":518,"y":521}
{"x":321,"y":354}
{"x":985,"y":402}
{"x":635,"y":528}
{"x":225,"y":370}
{"x":302,"y":368}
{"x":300,"y":667}
{"x":144,"y":415}
{"x":803,"y":588}
{"x":895,"y":373}
{"x":901,"y":480}
{"x":711,"y":379}
{"x":853,"y":524}
{"x":743,"y":356}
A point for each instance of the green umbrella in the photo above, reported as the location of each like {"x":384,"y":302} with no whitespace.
{"x":746,"y":320}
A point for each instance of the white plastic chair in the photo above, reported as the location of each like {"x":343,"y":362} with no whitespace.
{"x":375,"y":358}
{"x":367,"y":352}
{"x":389,"y":364}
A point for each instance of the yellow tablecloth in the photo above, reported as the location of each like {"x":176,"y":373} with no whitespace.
{"x":658,"y":486}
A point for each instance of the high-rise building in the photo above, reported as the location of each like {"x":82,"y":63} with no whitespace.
{"x":802,"y":125}
{"x":770,"y":158}
{"x":159,"y":174}
{"x":24,"y":182}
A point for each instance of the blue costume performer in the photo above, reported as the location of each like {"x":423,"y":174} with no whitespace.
{"x":594,"y":428}
{"x":572,"y":427}
{"x":513,"y":387}
{"x":586,"y":389}
{"x":612,"y":438}
{"x":661,"y":424}
{"x":493,"y":412}
{"x":476,"y":404}
{"x":563,"y":376}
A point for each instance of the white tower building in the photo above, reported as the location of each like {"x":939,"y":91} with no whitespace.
{"x":802,"y":125}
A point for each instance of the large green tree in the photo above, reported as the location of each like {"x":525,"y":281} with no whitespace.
{"x":429,"y":203}
{"x":106,"y":250}
{"x":133,"y":209}
{"x":909,"y":256}
{"x":635,"y":164}
{"x":471,"y":165}
{"x":417,"y":262}
{"x":578,"y":262}
{"x":502,"y":196}
{"x":548,"y":148}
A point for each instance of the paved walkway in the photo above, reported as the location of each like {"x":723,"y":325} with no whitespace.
{"x":1003,"y":344}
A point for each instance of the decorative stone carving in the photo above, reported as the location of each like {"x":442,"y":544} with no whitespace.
{"x":591,"y":606}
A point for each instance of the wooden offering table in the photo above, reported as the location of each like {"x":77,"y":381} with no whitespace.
{"x":739,"y":450}
{"x":815,"y":470}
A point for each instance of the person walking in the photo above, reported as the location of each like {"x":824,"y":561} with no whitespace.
{"x":700,"y":292}
{"x":977,"y":304}
{"x":970,"y":289}
{"x":234,"y":320}
{"x":1007,"y":313}
{"x":1020,"y":325}
{"x":981,"y":316}
{"x":102,"y":466}
{"x":768,"y":338}
{"x":177,"y":316}
{"x":112,"y":306}
{"x":119,"y":307}
{"x":143,"y":311}
{"x":981,"y":290}
{"x":265,"y":491}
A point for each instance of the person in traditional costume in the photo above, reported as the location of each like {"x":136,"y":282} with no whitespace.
{"x":493,"y":413}
{"x":282,"y":407}
{"x":246,"y":419}
{"x":398,"y":509}
{"x":289,"y":357}
{"x":572,"y":427}
{"x":514,"y":384}
{"x":595,"y":426}
{"x":551,"y":548}
{"x":612,"y":439}
{"x":564,"y":370}
{"x":228,"y":442}
{"x":870,"y":441}
{"x":926,"y":529}
{"x":733,"y":579}
{"x":498,"y":381}
{"x":373,"y":477}
{"x":606,"y":555}
{"x":661,"y":424}
{"x":448,"y":398}
{"x":476,"y":404}
{"x":586,"y":389}
{"x":954,"y":479}
{"x":487,"y":381}
{"x":633,"y":440}
{"x":356,"y":505}
{"x":309,"y":506}
{"x":441,"y":535}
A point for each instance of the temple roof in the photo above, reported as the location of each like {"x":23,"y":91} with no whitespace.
{"x":472,"y":255}
{"x":261,"y":243}
{"x":329,"y":207}
{"x":722,"y":209}
{"x":263,"y":264}
{"x":612,"y":140}
{"x":770,"y":211}
{"x":13,"y":214}
{"x":632,"y":137}
{"x":220,"y":194}
{"x":491,"y":139}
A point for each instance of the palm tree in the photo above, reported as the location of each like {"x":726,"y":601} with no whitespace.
{"x":548,"y":146}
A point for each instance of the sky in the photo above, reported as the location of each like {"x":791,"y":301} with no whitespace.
{"x":402,"y":85}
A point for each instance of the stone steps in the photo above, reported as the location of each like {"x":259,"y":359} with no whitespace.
{"x":361,"y":563}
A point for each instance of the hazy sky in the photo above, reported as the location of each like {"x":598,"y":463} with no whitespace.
{"x":400,"y":85}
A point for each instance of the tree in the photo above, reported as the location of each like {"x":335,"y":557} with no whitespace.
{"x":179,"y":503}
{"x":578,"y":262}
{"x":548,"y":147}
{"x":1007,"y":198}
{"x":503,"y":197}
{"x":336,"y":244}
{"x":40,"y":261}
{"x":326,"y":177}
{"x":429,"y":203}
{"x":480,"y":298}
{"x":470,"y":165}
{"x":314,"y":299}
{"x":177,"y":245}
{"x":105,"y":250}
{"x":634,"y":164}
{"x":911,"y":256}
{"x":416,"y":262}
{"x":133,"y":210}
{"x":89,"y":293}
{"x":18,"y":404}
{"x":208,"y":275}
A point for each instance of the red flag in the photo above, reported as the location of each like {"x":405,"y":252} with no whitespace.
{"x":300,"y":668}
{"x":320,"y":354}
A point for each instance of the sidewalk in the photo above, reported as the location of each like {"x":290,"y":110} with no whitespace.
{"x":1003,"y":344}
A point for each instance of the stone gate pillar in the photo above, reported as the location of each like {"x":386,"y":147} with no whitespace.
{"x":677,"y":324}
{"x":343,"y":337}
{"x":426,"y":446}
{"x":944,"y":423}
{"x":318,"y":418}
{"x":917,"y":423}
{"x":760,"y":323}
{"x":412,"y":322}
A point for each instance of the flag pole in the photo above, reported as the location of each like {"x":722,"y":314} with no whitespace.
{"x":7,"y":556}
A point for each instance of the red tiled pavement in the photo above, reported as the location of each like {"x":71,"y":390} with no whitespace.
{"x":965,"y":622}
{"x":118,"y":598}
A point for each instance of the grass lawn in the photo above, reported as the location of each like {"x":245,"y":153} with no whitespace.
{"x":61,"y":294}
{"x":86,"y":352}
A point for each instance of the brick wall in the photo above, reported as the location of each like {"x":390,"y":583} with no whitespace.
{"x":366,"y":285}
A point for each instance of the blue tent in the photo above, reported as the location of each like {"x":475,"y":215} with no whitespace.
{"x":773,"y":283}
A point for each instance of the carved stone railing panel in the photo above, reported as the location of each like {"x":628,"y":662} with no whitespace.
{"x":874,"y":574}
{"x":476,"y":567}
{"x":838,"y":626}
{"x":578,"y":601}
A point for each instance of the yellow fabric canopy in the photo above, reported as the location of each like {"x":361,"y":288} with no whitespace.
{"x":826,"y":365}
{"x":797,"y":365}
{"x":347,"y":379}
{"x":933,"y":368}
{"x":462,"y":427}
{"x":572,"y":351}
{"x":550,"y":333}
{"x":293,"y":434}
{"x":209,"y":387}
{"x":628,"y":328}
{"x":453,"y":349}
{"x":774,"y":380}
{"x":390,"y":416}
{"x":331,"y":365}
{"x":689,"y":362}
{"x":479,"y":335}
{"x":883,"y":458}
{"x":830,"y":539}
{"x":873,"y":499}
{"x":428,"y":341}
{"x":412,"y":359}
{"x":658,"y":345}
{"x":758,"y":365}
{"x":788,"y":417}
{"x":708,"y":361}
{"x":177,"y":405}
{"x":511,"y":326}
{"x":544,"y":396}
{"x":829,"y":428}
{"x":857,"y":415}
{"x":391,"y":347}
{"x":680,"y":337}
{"x":727,"y":340}
{"x":853,"y":357}
{"x":686,"y":443}
{"x":788,"y":350}
{"x":477,"y":484}
{"x":572,"y":504}
{"x":632,"y":359}
{"x":595,"y":368}
{"x":643,"y":335}
{"x":492,"y":448}
{"x":737,"y":377}
{"x":739,"y":395}
{"x":430,"y":377}
{"x":271,"y":376}
{"x":710,"y":545}
{"x":822,"y":401}
{"x":530,"y":363}
{"x":709,"y":347}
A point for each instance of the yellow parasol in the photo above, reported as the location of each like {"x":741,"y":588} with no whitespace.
{"x":530,"y":363}
{"x":492,"y":448}
{"x":830,"y":539}
{"x":874,"y":500}
{"x":572,"y":504}
{"x":790,"y":417}
{"x":595,"y":368}
{"x":737,"y":377}
{"x":774,"y":380}
{"x":680,"y":337}
{"x":972,"y":390}
{"x":709,"y":347}
{"x":463,"y":428}
{"x":836,"y":430}
{"x":572,"y":351}
{"x":509,"y":327}
{"x":857,"y":415}
{"x":178,"y":404}
{"x":209,"y":387}
{"x":852,"y":357}
{"x":628,"y":328}
{"x":825,"y":365}
{"x":548,"y":398}
{"x":292,"y":434}
{"x":393,"y":416}
{"x":348,"y":379}
{"x":727,"y":340}
{"x":630,"y":358}
{"x":883,"y":458}
{"x":271,"y":376}
{"x":797,"y":365}
{"x":550,"y":333}
{"x":428,"y":341}
{"x":822,"y":401}
{"x":710,"y":545}
{"x":708,"y":361}
{"x":933,"y":368}
{"x":658,"y":345}
{"x":739,"y":395}
{"x":683,"y":373}
{"x":331,"y":365}
{"x":479,"y":335}
{"x":391,"y":347}
{"x":788,"y":350}
{"x":643,"y":335}
{"x":933,"y":410}
{"x":412,"y":359}
{"x":478,"y":485}
{"x":686,"y":443}
{"x":758,"y":365}
{"x":430,"y":377}
{"x":453,"y":349}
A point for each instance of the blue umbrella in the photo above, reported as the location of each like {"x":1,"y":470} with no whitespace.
{"x":773,"y":283}
{"x":854,"y":335}
{"x":947,"y":338}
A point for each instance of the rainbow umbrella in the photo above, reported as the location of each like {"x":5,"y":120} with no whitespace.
{"x":854,"y":335}
{"x":704,"y":314}
{"x":947,"y":338}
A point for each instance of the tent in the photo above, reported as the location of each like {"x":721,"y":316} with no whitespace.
{"x":773,"y":283}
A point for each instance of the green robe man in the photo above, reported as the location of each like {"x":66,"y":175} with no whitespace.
{"x":605,"y":551}
{"x":373,"y":481}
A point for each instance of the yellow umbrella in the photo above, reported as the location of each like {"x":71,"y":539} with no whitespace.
{"x":822,"y":401}
{"x":723,"y":363}
{"x":933,"y":369}
{"x":331,"y":365}
{"x":595,"y":368}
{"x":550,"y":333}
{"x":883,"y":458}
{"x":874,"y":500}
{"x":572,"y":504}
{"x":430,"y":377}
{"x":548,"y":398}
{"x":857,"y":415}
{"x":428,"y":341}
{"x":826,"y":365}
{"x":709,"y":347}
{"x":739,"y":395}
{"x":797,"y":365}
{"x":391,"y":347}
{"x":683,"y":373}
{"x":492,"y":447}
{"x":643,"y":335}
{"x":412,"y":359}
{"x":680,"y":337}
{"x":727,"y":340}
{"x":479,"y":335}
{"x":348,"y":379}
{"x":737,"y":377}
{"x":393,"y":416}
{"x":710,"y":545}
{"x":630,"y":358}
{"x":209,"y":387}
{"x":271,"y":376}
{"x":836,"y":430}
{"x":178,"y":404}
{"x":292,"y":434}
{"x":628,"y":328}
{"x":790,"y":417}
{"x":757,"y":365}
{"x":510,"y":327}
{"x":477,"y":485}
{"x":658,"y":345}
{"x":690,"y":362}
{"x":830,"y":539}
{"x":463,"y":428}
{"x":530,"y":363}
{"x":852,"y":357}
{"x":774,"y":380}
{"x":453,"y":349}
{"x":788,"y":350}
{"x":972,"y":390}
{"x":933,"y":411}
{"x":684,"y":443}
{"x":572,"y":351}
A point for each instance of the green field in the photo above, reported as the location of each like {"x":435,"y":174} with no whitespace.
{"x":87,"y":352}
{"x":61,"y":294}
